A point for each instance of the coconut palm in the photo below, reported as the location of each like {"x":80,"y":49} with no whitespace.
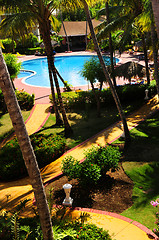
{"x":40,"y":12}
{"x":107,"y":76}
{"x":147,"y":23}
{"x":26,"y":148}
{"x":155,"y":6}
{"x":97,"y":49}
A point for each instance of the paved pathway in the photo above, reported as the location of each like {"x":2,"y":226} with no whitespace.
{"x":120,"y":227}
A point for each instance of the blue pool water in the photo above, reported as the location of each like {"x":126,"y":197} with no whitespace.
{"x":69,"y":68}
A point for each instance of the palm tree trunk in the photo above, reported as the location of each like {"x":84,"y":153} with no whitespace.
{"x":114,"y":93}
{"x":68,"y":129}
{"x":146,"y":59}
{"x":68,"y":45}
{"x":63,"y":81}
{"x":44,"y":29}
{"x":97,"y":100}
{"x":154,"y":40}
{"x":110,"y":45}
{"x":26,"y":148}
{"x":57,"y":114}
{"x":155,"y":7}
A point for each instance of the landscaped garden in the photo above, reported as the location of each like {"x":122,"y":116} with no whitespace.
{"x":121,"y":177}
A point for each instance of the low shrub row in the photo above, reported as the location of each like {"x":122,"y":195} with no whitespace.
{"x":98,"y":161}
{"x":26,"y":101}
{"x":127,"y":93}
{"x":47,"y":149}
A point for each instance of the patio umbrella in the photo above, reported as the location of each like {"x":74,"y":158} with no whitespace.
{"x":129,"y":70}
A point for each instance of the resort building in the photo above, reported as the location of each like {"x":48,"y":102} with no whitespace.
{"x":77,"y":33}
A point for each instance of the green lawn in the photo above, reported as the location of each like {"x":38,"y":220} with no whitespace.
{"x":6,"y":124}
{"x":141,"y":164}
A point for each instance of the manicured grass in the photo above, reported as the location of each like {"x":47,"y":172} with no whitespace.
{"x":85,"y":123}
{"x":6,"y":124}
{"x":142,"y":166}
{"x":146,"y":185}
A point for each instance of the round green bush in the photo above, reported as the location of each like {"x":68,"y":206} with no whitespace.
{"x":98,"y":160}
{"x":47,"y":148}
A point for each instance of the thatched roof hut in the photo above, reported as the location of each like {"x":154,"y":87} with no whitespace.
{"x":129,"y":70}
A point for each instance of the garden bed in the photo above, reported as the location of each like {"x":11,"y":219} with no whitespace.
{"x":113,"y":193}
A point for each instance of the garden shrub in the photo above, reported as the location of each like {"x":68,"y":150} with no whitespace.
{"x":98,"y":160}
{"x":25,"y":100}
{"x":47,"y":148}
{"x":127,"y":94}
{"x":12,"y":64}
{"x":9,"y":45}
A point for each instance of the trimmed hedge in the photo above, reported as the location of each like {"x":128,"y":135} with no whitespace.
{"x":127,"y":93}
{"x":47,"y":149}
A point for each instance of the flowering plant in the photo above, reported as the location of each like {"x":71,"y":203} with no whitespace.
{"x":156,"y":204}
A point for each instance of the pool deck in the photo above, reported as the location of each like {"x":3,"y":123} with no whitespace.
{"x":42,"y":93}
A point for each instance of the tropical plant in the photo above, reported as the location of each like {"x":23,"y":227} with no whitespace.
{"x":155,"y":7}
{"x":9,"y":45}
{"x":12,"y":64}
{"x":92,"y":71}
{"x":40,"y":11}
{"x":98,"y":160}
{"x":26,"y":148}
{"x":107,"y":76}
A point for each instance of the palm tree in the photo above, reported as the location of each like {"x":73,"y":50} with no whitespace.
{"x":114,"y":93}
{"x":26,"y":148}
{"x":40,"y":11}
{"x":155,"y":7}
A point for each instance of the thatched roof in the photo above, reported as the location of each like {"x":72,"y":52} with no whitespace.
{"x":77,"y":28}
{"x":129,"y":70}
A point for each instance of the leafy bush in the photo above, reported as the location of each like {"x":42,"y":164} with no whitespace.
{"x":98,"y":160}
{"x":47,"y":149}
{"x":8,"y":45}
{"x":26,"y":101}
{"x":127,"y":93}
{"x":12,"y":64}
{"x":28,"y":41}
{"x":90,"y":231}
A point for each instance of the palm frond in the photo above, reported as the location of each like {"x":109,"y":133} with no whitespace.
{"x":114,"y":25}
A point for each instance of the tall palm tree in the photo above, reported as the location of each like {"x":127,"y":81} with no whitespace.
{"x":40,"y":11}
{"x":26,"y":148}
{"x":155,"y":7}
{"x":114,"y":93}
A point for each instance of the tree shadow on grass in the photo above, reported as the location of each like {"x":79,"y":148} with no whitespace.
{"x":146,"y":179}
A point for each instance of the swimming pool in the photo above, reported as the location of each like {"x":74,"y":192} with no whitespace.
{"x":69,"y":68}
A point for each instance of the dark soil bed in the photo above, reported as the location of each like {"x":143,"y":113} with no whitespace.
{"x":113,"y":193}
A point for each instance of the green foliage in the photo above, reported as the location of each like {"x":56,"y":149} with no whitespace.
{"x":98,"y":160}
{"x":8,"y":44}
{"x":26,"y":101}
{"x":92,"y":70}
{"x":47,"y":149}
{"x":12,"y":64}
{"x":28,"y":41}
{"x":90,"y":231}
{"x":127,"y":94}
